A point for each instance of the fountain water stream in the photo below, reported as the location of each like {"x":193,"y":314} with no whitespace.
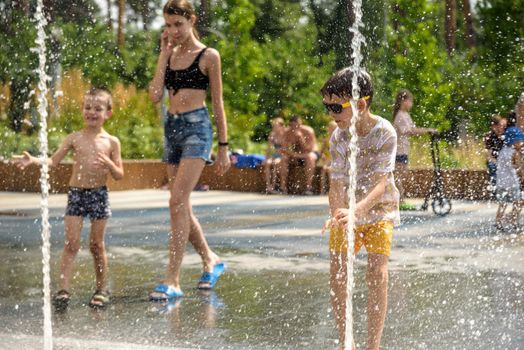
{"x":42,"y":110}
{"x":357,"y":41}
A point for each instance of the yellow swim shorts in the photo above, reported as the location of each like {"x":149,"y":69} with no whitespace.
{"x":376,"y":237}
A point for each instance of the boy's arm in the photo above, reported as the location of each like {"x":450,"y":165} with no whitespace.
{"x":373,"y":196}
{"x":384,"y":166}
{"x":114,"y":162}
{"x":62,"y":151}
{"x":337,"y":195}
{"x":339,"y":211}
{"x":24,"y":160}
{"x":337,"y":204}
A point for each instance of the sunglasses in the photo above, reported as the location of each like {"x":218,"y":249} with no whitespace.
{"x":337,"y":108}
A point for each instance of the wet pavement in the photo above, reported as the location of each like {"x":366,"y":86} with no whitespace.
{"x":455,"y":282}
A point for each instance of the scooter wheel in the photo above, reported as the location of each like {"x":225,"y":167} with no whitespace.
{"x":441,"y":206}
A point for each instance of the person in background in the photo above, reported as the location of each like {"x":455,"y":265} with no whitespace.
{"x":493,"y":143}
{"x":271,"y":163}
{"x":405,"y":128}
{"x":299,"y":147}
{"x":325,"y":157}
{"x":509,"y":176}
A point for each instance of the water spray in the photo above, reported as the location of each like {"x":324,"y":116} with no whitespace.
{"x":44,"y":184}
{"x":357,"y":41}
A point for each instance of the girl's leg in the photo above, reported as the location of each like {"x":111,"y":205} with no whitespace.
{"x":377,"y":279}
{"x":186,"y":176}
{"x":196,"y":234}
{"x":199,"y":242}
{"x":401,"y":170}
{"x":98,"y":250}
{"x":73,"y":228}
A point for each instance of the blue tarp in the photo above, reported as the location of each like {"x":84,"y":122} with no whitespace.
{"x":249,"y":160}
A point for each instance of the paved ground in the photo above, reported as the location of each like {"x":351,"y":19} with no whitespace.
{"x":455,"y":282}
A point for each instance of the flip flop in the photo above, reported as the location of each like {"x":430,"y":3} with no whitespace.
{"x":212,"y":277}
{"x":168,"y":291}
{"x":100,"y":299}
{"x":61,"y":300}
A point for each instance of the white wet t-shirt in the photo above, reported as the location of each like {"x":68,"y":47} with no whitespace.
{"x":376,"y":154}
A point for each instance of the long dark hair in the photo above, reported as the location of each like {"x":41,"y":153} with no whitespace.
{"x":181,"y":8}
{"x":402,"y":95}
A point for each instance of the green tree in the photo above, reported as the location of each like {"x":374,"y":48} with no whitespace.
{"x":96,"y":54}
{"x":413,"y":60}
{"x":17,"y":62}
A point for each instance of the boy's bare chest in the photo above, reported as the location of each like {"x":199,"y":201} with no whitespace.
{"x":89,"y":146}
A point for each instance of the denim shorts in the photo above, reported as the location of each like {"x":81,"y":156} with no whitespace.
{"x":92,"y":202}
{"x":188,"y":135}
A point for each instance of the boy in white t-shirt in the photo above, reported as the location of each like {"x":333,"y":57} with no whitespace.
{"x":377,"y":199}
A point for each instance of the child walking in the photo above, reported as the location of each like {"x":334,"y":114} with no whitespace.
{"x":405,"y":128}
{"x":377,"y":199}
{"x":509,"y":166}
{"x":96,"y":154}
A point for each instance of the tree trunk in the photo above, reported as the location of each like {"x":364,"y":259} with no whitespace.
{"x":204,"y":17}
{"x":120,"y":32}
{"x":395,"y":8}
{"x":451,"y":25}
{"x":395,"y":23}
{"x":468,"y":20}
{"x":109,"y":19}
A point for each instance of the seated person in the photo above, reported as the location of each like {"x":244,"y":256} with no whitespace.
{"x":325,"y":157}
{"x":272,"y":161}
{"x":299,"y":146}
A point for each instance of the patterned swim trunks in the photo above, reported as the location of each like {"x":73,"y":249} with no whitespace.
{"x":92,"y":202}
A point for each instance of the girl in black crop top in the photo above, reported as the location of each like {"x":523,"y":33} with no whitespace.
{"x":186,"y":68}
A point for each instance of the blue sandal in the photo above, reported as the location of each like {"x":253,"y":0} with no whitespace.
{"x":168,"y":291}
{"x":211,"y":278}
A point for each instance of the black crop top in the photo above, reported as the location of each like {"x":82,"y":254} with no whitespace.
{"x":189,"y":78}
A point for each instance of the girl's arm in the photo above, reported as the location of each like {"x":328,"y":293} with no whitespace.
{"x":156,"y":87}
{"x":215,"y":80}
{"x":404,"y":125}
